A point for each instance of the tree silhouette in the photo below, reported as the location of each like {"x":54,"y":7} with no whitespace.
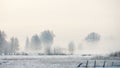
{"x":3,"y":42}
{"x":35,"y":42}
{"x":47,"y":38}
{"x":93,"y":37}
{"x":27,"y":45}
{"x":14,"y":45}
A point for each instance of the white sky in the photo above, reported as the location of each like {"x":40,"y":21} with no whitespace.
{"x":68,"y":19}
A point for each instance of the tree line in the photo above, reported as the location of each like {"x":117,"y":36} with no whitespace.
{"x":8,"y":47}
{"x":44,"y":41}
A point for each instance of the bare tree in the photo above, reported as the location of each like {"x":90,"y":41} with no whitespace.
{"x":71,"y":46}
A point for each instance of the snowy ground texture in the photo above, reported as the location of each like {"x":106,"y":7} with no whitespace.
{"x":55,"y":62}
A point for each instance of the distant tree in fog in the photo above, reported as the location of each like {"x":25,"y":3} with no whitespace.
{"x":35,"y":42}
{"x":14,"y":45}
{"x":3,"y":42}
{"x":58,"y":51}
{"x":27,"y":44}
{"x":71,"y":46}
{"x":47,"y":38}
{"x":93,"y":37}
{"x":8,"y":47}
{"x":115,"y":54}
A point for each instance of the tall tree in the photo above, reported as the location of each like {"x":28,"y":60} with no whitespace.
{"x":47,"y":38}
{"x":27,"y":45}
{"x":3,"y":42}
{"x":2,"y":37}
{"x":35,"y":42}
{"x":14,"y":45}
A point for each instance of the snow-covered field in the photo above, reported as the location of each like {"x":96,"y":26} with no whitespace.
{"x":54,"y":62}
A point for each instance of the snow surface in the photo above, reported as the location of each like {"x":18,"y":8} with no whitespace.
{"x":52,"y":62}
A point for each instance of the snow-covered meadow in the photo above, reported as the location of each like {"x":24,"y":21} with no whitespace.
{"x":54,"y":62}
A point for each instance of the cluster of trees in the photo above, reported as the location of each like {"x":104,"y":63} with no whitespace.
{"x":93,"y":37}
{"x":45,"y":40}
{"x":7,"y":47}
{"x":42,"y":41}
{"x":115,"y":54}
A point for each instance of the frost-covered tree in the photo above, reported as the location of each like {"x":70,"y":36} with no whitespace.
{"x":71,"y":46}
{"x":3,"y":42}
{"x":8,"y":47}
{"x":115,"y":54}
{"x":58,"y":51}
{"x":47,"y":38}
{"x":14,"y":45}
{"x":27,"y":44}
{"x":35,"y":42}
{"x":93,"y":37}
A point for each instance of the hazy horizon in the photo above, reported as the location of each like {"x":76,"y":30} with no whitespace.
{"x":70,"y":20}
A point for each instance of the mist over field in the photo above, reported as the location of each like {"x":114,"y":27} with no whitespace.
{"x":60,"y":26}
{"x":43,"y":43}
{"x":59,"y":33}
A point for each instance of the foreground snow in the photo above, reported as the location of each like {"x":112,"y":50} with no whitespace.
{"x":53,"y":62}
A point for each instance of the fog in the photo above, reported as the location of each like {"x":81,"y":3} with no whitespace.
{"x":68,"y":19}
